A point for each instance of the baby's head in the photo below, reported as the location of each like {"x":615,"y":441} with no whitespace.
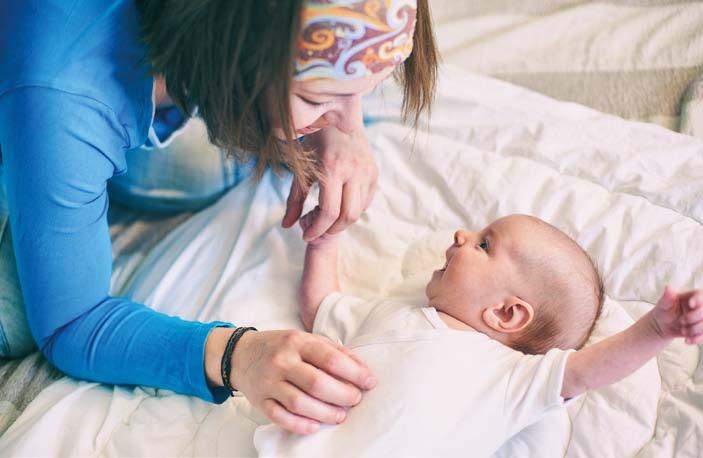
{"x":522,"y":282}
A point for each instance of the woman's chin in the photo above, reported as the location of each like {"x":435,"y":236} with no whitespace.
{"x":278,"y":132}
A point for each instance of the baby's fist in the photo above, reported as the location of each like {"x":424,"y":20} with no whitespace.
{"x":324,"y":239}
{"x":680,"y":315}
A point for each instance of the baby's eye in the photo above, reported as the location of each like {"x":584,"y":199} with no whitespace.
{"x":483,"y":245}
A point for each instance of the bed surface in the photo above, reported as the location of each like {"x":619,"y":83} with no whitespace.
{"x":630,"y":193}
{"x":133,"y":235}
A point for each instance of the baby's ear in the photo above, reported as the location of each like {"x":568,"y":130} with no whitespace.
{"x":512,"y":315}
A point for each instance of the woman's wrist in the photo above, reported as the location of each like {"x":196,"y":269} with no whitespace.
{"x":214,"y":349}
{"x":242,"y":359}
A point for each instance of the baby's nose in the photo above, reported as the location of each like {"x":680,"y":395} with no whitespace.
{"x":460,"y":238}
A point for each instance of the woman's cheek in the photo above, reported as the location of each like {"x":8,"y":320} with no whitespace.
{"x":303,"y":115}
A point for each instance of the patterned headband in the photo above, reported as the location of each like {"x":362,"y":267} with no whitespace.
{"x":349,"y":39}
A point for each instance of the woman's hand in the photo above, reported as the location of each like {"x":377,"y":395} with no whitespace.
{"x":350,"y":173}
{"x":298,"y":380}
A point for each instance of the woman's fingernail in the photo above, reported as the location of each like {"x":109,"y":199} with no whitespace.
{"x":340,"y":416}
{"x":370,"y":382}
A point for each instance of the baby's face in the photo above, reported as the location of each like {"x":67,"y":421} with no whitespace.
{"x":484,"y":268}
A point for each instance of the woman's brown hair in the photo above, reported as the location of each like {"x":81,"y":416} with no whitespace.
{"x":234,"y":61}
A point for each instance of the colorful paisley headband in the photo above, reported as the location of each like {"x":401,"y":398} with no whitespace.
{"x":349,"y":39}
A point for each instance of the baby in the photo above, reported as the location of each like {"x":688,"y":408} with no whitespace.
{"x":524,"y":298}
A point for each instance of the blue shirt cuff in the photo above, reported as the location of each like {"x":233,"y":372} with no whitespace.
{"x":196,"y":361}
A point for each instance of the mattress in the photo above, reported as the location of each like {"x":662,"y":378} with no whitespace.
{"x":630,"y":193}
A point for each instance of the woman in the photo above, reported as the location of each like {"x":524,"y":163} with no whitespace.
{"x":77,"y":93}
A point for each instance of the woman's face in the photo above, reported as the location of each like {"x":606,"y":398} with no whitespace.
{"x":319,"y":103}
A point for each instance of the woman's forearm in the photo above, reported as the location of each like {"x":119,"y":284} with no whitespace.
{"x":63,"y":250}
{"x":612,"y":359}
{"x":122,"y":342}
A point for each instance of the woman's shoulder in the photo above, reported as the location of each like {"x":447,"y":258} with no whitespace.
{"x":87,"y":48}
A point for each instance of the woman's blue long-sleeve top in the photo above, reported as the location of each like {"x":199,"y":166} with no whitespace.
{"x":75,"y":95}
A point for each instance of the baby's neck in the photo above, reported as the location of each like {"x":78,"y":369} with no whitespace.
{"x":453,"y":323}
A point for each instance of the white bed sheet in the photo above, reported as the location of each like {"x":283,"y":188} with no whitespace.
{"x":630,"y":193}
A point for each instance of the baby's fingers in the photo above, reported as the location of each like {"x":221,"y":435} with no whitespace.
{"x":694,"y":340}
{"x":306,"y":221}
{"x":667,"y":303}
{"x":692,"y":319}
{"x":692,"y":310}
{"x":692,"y":331}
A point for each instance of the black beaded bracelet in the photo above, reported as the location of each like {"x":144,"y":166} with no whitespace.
{"x":226,"y":363}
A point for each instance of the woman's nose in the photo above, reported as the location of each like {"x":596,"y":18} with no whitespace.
{"x":348,"y":118}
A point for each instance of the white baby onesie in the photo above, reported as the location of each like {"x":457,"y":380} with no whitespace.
{"x":440,"y":392}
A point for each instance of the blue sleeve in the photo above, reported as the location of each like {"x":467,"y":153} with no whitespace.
{"x":58,"y":150}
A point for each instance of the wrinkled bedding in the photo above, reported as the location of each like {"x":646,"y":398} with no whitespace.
{"x":631,"y":194}
{"x":134,"y":234}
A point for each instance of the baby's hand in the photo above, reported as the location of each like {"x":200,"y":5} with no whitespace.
{"x":324,"y":239}
{"x":680,"y":315}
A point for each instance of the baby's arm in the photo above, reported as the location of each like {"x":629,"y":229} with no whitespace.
{"x":608,"y":361}
{"x":319,"y":276}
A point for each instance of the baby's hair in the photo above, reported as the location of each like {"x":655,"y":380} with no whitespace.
{"x":540,"y":336}
{"x":600,"y":294}
{"x":564,"y":325}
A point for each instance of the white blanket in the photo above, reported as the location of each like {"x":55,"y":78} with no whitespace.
{"x":630,"y":193}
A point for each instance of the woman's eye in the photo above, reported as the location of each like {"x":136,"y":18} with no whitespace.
{"x":483,"y":245}
{"x":311,"y":103}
